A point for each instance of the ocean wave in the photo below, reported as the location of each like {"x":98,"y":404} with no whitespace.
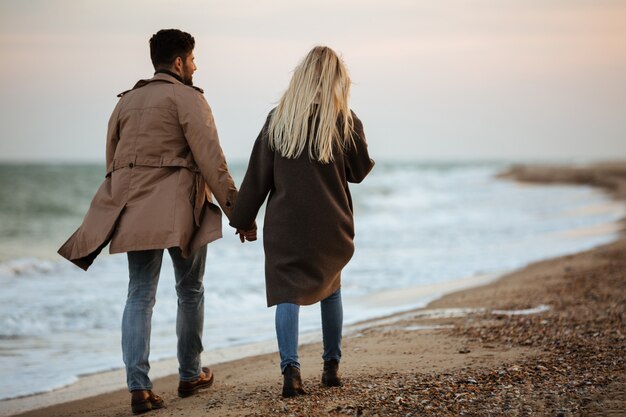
{"x":27,"y":266}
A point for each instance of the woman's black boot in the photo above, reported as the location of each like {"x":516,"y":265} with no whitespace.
{"x":292,"y":382}
{"x":329,"y":376}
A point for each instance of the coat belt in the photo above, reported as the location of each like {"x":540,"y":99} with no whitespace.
{"x":152,"y":162}
{"x":199,"y":194}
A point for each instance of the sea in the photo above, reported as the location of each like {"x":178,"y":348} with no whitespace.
{"x":418,"y":224}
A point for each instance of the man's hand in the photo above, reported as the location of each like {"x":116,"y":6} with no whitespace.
{"x":249,"y":235}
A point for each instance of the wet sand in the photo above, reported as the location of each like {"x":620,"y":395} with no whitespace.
{"x":548,"y":339}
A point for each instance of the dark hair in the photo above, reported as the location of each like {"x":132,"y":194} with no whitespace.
{"x":167,"y":44}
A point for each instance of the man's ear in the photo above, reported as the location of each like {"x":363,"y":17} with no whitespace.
{"x":178,"y":64}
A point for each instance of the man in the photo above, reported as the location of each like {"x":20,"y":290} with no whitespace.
{"x":164,"y":161}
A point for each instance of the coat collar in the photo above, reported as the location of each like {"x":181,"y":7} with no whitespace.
{"x":170,"y":75}
{"x":162,"y":77}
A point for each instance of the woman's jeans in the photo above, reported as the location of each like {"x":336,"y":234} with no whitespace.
{"x":144,"y":268}
{"x":287,"y":330}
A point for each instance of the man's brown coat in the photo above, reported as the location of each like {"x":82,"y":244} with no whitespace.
{"x":164,"y":161}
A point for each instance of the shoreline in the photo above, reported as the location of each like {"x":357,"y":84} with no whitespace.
{"x":109,"y":381}
{"x":435,"y":364}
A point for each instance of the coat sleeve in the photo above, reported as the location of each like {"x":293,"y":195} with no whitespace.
{"x":257,"y":183}
{"x":357,"y":159}
{"x":196,"y":120}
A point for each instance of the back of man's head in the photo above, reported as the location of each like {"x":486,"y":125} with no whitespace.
{"x":167,"y":44}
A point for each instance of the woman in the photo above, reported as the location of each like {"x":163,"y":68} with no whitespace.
{"x":310,"y":147}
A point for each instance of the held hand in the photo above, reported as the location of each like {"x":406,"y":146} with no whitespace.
{"x":249,"y":235}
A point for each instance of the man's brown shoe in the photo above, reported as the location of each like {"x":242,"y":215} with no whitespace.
{"x":187,"y":388}
{"x":142,"y":401}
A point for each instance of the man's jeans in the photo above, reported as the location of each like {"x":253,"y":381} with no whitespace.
{"x":144,"y":268}
{"x":287,"y":330}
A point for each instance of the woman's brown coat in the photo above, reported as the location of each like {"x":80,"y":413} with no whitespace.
{"x":309,"y":229}
{"x":164,"y":161}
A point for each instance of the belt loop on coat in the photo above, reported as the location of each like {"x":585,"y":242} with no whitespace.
{"x":110,"y":168}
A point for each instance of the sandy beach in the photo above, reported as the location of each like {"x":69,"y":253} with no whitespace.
{"x":548,"y":339}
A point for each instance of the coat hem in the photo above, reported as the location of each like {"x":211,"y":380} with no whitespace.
{"x":174,"y":243}
{"x":304,"y":301}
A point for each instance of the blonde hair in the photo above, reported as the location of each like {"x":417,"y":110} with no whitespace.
{"x":319,"y":88}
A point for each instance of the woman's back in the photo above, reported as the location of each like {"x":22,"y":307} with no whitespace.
{"x":308,"y":231}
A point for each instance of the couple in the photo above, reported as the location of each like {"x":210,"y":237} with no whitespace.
{"x":165,"y":164}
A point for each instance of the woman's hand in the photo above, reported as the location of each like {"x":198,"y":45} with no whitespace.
{"x":249,"y":235}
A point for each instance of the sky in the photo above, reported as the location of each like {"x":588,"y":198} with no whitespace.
{"x":432,"y":80}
